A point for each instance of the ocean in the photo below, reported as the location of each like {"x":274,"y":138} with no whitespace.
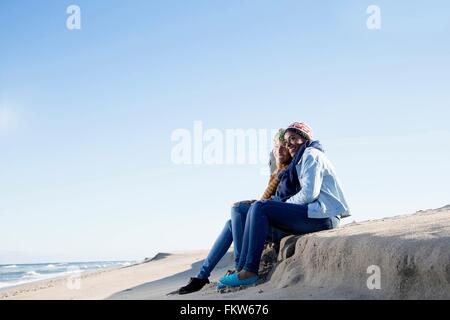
{"x":17,"y":274}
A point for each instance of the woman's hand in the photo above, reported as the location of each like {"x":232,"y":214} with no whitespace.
{"x":244,"y":201}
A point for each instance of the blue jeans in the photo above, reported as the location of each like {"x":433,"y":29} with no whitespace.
{"x":291,"y":218}
{"x":232,"y":232}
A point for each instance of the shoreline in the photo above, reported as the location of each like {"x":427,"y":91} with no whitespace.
{"x":55,"y":278}
{"x":102,"y":283}
{"x":32,"y":273}
{"x":411,"y":251}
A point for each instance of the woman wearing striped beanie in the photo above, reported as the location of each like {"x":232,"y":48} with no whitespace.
{"x":309,"y":198}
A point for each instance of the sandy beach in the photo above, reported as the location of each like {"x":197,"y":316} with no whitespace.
{"x":103,"y":283}
{"x":412,"y":253}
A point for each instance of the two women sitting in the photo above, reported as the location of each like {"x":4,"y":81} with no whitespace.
{"x":303,"y":196}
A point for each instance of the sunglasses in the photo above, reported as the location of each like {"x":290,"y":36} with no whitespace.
{"x":290,"y":140}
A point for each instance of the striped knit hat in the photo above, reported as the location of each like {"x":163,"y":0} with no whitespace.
{"x":301,"y":128}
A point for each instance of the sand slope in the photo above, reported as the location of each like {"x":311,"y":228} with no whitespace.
{"x":104,"y":283}
{"x":412,"y":253}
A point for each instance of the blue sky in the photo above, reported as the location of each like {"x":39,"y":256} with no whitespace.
{"x":86,"y":116}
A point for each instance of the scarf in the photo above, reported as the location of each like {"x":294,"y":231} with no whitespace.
{"x":273,"y":182}
{"x":289,"y":183}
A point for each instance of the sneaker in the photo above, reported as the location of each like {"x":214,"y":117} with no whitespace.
{"x":230,"y":272}
{"x":195,"y":284}
{"x":220,"y":286}
{"x":234,"y":281}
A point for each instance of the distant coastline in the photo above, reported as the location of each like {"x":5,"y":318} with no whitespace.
{"x":12,"y":275}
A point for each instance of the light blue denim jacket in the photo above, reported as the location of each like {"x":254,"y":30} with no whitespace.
{"x":320,"y":188}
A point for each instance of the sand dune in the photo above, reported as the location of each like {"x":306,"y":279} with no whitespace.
{"x":104,"y":283}
{"x":411,"y":253}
